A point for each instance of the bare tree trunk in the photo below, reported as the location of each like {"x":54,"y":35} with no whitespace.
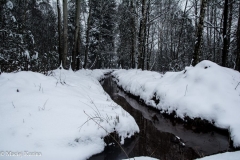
{"x":197,"y":47}
{"x":225,"y":40}
{"x":229,"y":30}
{"x":100,"y":45}
{"x":76,"y":34}
{"x":214,"y":34}
{"x":78,"y":52}
{"x":142,"y":31}
{"x":149,"y":54}
{"x":180,"y":35}
{"x":146,"y":34}
{"x":59,"y":32}
{"x":65,"y":33}
{"x":238,"y":43}
{"x":196,"y":13}
{"x":87,"y":35}
{"x":133,"y":30}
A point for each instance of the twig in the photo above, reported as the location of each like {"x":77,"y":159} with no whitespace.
{"x":97,"y":112}
{"x":86,"y":122}
{"x":154,"y":151}
{"x":40,"y":87}
{"x":44,"y":105}
{"x":237,"y":85}
{"x":13,"y":105}
{"x":95,"y":106}
{"x":186,"y":90}
{"x":108,"y":133}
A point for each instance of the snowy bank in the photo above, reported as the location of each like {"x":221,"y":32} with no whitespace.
{"x":223,"y":156}
{"x":141,"y":158}
{"x":96,"y":73}
{"x":54,"y":117}
{"x":207,"y":90}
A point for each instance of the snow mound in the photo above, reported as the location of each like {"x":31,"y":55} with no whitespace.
{"x":141,"y":158}
{"x":223,"y":156}
{"x":96,"y":73}
{"x":60,"y":116}
{"x":207,"y":90}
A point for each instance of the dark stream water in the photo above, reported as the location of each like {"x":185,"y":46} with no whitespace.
{"x":159,"y":137}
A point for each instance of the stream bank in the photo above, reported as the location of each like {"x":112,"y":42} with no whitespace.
{"x":160,"y":136}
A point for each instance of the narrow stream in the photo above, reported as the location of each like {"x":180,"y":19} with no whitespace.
{"x":159,"y":137}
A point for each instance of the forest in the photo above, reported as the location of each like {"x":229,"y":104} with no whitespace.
{"x":119,"y":79}
{"x":155,"y":35}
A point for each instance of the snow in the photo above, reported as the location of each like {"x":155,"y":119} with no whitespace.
{"x":9,"y":5}
{"x":26,"y":53}
{"x":32,"y":37}
{"x":207,"y":90}
{"x":141,"y":158}
{"x":223,"y":156}
{"x":35,"y":56}
{"x":60,"y":116}
{"x":13,"y":19}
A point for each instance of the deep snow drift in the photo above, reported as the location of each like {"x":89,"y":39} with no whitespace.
{"x":207,"y":90}
{"x":47,"y":116}
{"x":223,"y":156}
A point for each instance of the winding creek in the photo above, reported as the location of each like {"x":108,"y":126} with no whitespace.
{"x":160,"y":137}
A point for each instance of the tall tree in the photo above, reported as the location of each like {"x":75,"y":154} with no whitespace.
{"x":65,"y":33}
{"x":133,"y":33}
{"x":199,"y":34}
{"x":142,"y":33}
{"x":225,"y":40}
{"x":59,"y":31}
{"x":87,"y":34}
{"x":101,"y":45}
{"x":237,"y":67}
{"x":76,"y":34}
{"x":126,"y":44}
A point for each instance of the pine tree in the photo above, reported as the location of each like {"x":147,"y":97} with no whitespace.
{"x":101,"y":34}
{"x":126,"y":44}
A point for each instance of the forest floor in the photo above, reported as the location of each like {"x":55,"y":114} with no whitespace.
{"x":64,"y":115}
{"x":56,"y":116}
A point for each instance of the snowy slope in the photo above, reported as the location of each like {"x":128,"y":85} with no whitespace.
{"x":223,"y":156}
{"x":141,"y":158}
{"x":48,"y":115}
{"x":207,"y":90}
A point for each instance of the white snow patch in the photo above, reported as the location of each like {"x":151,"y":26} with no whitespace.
{"x":49,"y":115}
{"x":141,"y":158}
{"x":223,"y":156}
{"x":207,"y":90}
{"x":26,"y":53}
{"x":13,"y":19}
{"x":35,"y":56}
{"x":9,"y":4}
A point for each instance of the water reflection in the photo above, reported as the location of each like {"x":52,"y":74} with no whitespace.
{"x":159,"y":137}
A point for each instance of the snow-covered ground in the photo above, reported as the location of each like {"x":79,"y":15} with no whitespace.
{"x":57,"y":116}
{"x":223,"y":156}
{"x":141,"y":158}
{"x":207,"y":90}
